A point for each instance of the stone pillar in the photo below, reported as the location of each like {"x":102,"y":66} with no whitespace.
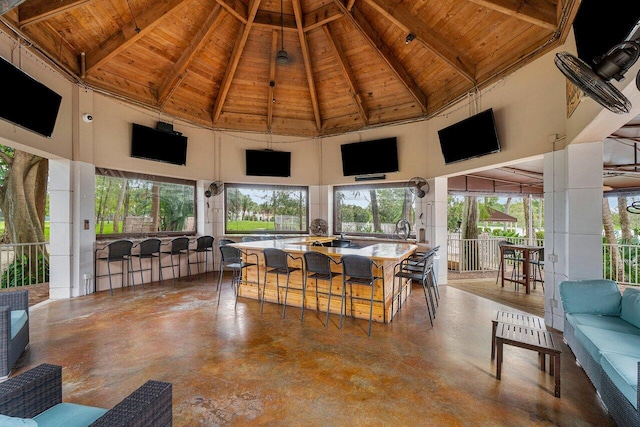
{"x":572,"y":221}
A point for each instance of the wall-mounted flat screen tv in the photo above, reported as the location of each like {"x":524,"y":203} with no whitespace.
{"x":370,"y":157}
{"x":26,"y":102}
{"x":158,"y":145}
{"x":268,"y":163}
{"x":472,"y":137}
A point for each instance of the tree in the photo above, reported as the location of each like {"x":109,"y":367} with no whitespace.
{"x":377,"y":226}
{"x":470,"y":233}
{"x":625,"y":223}
{"x":610,"y":236}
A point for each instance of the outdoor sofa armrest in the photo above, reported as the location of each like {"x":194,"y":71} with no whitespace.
{"x":149,"y":405}
{"x":32,"y":392}
{"x":17,"y":300}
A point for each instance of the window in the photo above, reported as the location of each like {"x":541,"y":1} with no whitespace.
{"x":264,"y":209}
{"x":132,"y":204}
{"x":372,"y":209}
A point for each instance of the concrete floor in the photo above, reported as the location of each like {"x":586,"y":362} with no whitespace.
{"x":236,"y":367}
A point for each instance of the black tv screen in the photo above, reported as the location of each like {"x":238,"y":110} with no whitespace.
{"x":370,"y":157}
{"x":161,"y":146}
{"x":268,"y":163}
{"x":472,"y":137}
{"x":26,"y":102}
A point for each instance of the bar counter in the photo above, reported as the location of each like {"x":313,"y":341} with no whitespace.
{"x":387,"y":255}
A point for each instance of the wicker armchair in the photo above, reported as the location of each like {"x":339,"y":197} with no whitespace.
{"x":12,"y":348}
{"x":34,"y":391}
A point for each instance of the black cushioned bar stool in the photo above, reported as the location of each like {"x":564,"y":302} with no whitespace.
{"x":359,"y":270}
{"x":148,"y":249}
{"x":117,"y":251}
{"x":276,"y":261}
{"x":317,"y":265}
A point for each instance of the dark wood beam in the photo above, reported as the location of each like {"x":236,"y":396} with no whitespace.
{"x":428,"y":37}
{"x":175,"y":76}
{"x":321,"y":16}
{"x":348,"y":75}
{"x":34,"y":11}
{"x":537,"y":12}
{"x":130,"y":33}
{"x":230,"y":72}
{"x":297,"y":11}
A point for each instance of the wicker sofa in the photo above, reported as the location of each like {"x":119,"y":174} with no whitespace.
{"x":14,"y":329}
{"x":35,"y":396}
{"x":602,"y":328}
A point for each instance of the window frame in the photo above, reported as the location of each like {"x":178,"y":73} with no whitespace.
{"x":366,"y":187}
{"x":113,"y":173}
{"x":228,"y":186}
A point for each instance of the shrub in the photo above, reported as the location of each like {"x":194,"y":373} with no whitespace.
{"x":17,"y":273}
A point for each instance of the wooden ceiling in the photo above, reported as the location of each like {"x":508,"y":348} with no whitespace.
{"x":352,"y":64}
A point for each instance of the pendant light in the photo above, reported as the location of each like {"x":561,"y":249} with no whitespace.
{"x":282,"y":57}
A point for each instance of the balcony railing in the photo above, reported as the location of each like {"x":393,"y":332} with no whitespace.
{"x":23,"y":264}
{"x":481,"y":254}
{"x":624,"y":267}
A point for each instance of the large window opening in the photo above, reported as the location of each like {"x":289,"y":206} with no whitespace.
{"x":266,"y":209}
{"x":132,"y":204}
{"x":372,"y":210}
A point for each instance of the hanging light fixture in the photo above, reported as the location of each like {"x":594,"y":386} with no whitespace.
{"x":282,"y":57}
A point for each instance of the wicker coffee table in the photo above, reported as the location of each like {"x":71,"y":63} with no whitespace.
{"x":528,"y":321}
{"x":533,"y":339}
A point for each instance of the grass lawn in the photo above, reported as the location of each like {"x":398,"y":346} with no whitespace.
{"x":249,"y":225}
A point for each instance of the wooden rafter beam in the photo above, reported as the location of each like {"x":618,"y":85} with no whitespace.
{"x":271,"y":21}
{"x":311,"y":20}
{"x":297,"y":11}
{"x":404,"y":19}
{"x":350,"y":4}
{"x":272,"y":77}
{"x":538,"y":12}
{"x":130,"y":33}
{"x":348,"y":75}
{"x":230,"y":72}
{"x":174,"y":76}
{"x":34,"y":11}
{"x":235,"y":8}
{"x":362,"y":25}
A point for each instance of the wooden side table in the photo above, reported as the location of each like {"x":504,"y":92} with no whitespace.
{"x":528,"y":321}
{"x":533,"y":339}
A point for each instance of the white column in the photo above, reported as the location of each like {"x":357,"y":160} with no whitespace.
{"x":72,"y":233}
{"x":573,"y":221}
{"x":204,"y":210}
{"x":431,"y":214}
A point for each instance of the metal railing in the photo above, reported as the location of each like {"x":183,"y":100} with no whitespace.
{"x":482,"y":254}
{"x":623,"y":268}
{"x":23,"y":264}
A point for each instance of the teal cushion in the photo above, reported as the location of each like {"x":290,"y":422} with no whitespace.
{"x":612,"y":323}
{"x":69,"y":415}
{"x":623,"y":371}
{"x":6,"y":421}
{"x":18,"y":319}
{"x":598,"y":296}
{"x":597,"y":341}
{"x":631,"y":306}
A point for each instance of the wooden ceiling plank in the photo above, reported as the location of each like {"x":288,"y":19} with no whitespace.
{"x":426,"y":36}
{"x":230,"y":72}
{"x":297,"y":11}
{"x":540,"y":13}
{"x":321,"y":16}
{"x":235,"y":8}
{"x":129,"y":34}
{"x":350,"y":4}
{"x":272,"y":77}
{"x":271,"y":21}
{"x":34,"y":11}
{"x":175,"y":75}
{"x":362,"y":25}
{"x":348,"y":74}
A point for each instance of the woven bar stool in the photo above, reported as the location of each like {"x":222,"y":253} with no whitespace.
{"x":148,"y":250}
{"x":232,"y":259}
{"x":317,"y":265}
{"x":178,"y":247}
{"x":118,"y":251}
{"x":276,"y":261}
{"x":359,"y":270}
{"x":204,"y":246}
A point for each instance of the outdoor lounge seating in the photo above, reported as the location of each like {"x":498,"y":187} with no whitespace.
{"x":14,"y":329}
{"x":35,"y":396}
{"x":602,"y":328}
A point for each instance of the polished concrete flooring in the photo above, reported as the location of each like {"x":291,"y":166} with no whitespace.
{"x":234,"y":366}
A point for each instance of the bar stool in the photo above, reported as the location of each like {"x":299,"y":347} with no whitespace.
{"x":204,"y":246}
{"x":149,"y":249}
{"x":231,"y":258}
{"x":117,"y":251}
{"x":317,"y":265}
{"x":178,"y":246}
{"x":508,"y":255}
{"x":358,"y":270}
{"x":276,"y":261}
{"x":419,"y":270}
{"x":538,"y":266}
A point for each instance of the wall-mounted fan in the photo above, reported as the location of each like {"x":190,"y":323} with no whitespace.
{"x":214,"y":189}
{"x":318,"y":227}
{"x":403,"y":229}
{"x":418,"y":186}
{"x":594,"y":81}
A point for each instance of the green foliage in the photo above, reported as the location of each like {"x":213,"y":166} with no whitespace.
{"x":249,"y":225}
{"x":505,"y":233}
{"x":17,"y":273}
